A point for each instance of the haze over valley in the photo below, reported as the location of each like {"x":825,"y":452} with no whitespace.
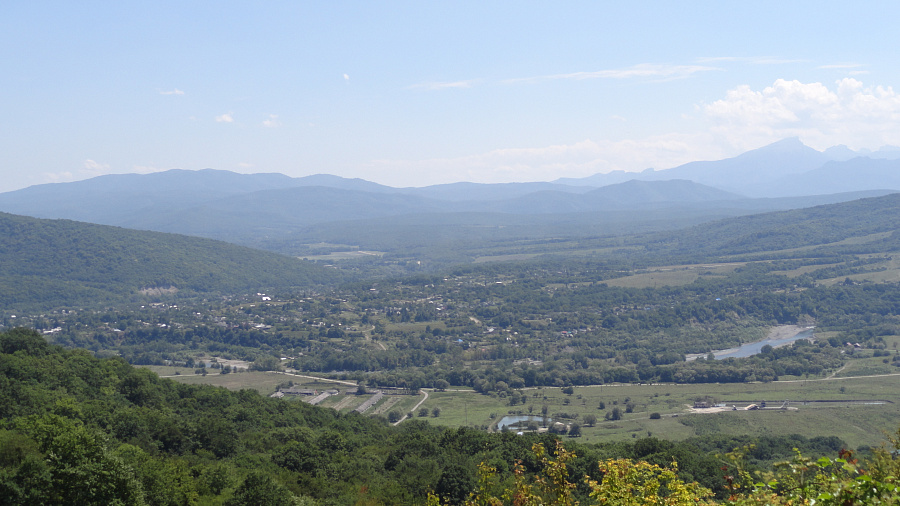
{"x":448,"y":254}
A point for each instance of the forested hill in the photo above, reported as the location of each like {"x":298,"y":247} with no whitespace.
{"x":865,"y":225}
{"x":48,"y":263}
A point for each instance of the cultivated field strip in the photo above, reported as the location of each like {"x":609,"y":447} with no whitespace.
{"x":344,"y":403}
{"x":369,"y":402}
{"x":321,"y":397}
{"x":394,"y":399}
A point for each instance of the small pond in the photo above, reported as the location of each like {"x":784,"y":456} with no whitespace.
{"x":513,"y":420}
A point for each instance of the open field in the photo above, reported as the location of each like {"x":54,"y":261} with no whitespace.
{"x":675,"y":275}
{"x":867,"y":366}
{"x":505,"y":258}
{"x":806,"y":269}
{"x":855,"y":408}
{"x":266,"y":383}
{"x":263,"y":382}
{"x":889,"y":272}
{"x":847,"y":415}
{"x":168,"y":370}
{"x":856,"y":240}
{"x":855,"y":422}
{"x":342,"y":255}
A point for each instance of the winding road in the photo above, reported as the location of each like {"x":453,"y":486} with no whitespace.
{"x":425,"y":392}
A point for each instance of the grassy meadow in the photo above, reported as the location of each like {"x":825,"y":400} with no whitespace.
{"x":857,"y":409}
{"x":836,"y":406}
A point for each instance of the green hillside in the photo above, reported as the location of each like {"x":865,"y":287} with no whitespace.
{"x":59,"y":262}
{"x":800,"y":228}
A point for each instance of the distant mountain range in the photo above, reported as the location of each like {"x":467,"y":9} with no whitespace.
{"x":783,"y":169}
{"x":264,"y":209}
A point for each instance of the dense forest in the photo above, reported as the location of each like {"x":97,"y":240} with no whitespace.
{"x":74,"y":428}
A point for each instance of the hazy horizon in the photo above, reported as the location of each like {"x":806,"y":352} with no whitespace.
{"x":410,"y":94}
{"x":863,"y":152}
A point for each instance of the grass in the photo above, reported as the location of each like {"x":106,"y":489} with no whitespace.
{"x":856,"y":423}
{"x":406,"y":404}
{"x":263,"y":382}
{"x":656,"y":279}
{"x":891,"y":275}
{"x":862,"y":239}
{"x":676,"y":275}
{"x":168,"y":370}
{"x":505,"y":258}
{"x":266,"y":383}
{"x":806,"y":269}
{"x":344,"y":402}
{"x":867,"y":366}
{"x":343,"y":255}
{"x":462,"y":408}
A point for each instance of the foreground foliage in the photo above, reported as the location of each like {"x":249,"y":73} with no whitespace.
{"x":625,"y":482}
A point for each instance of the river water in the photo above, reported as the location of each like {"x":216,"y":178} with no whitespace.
{"x":749,"y":349}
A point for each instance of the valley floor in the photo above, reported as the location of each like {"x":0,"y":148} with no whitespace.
{"x":860,"y":410}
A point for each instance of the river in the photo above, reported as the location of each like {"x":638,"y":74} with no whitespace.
{"x":754,"y":348}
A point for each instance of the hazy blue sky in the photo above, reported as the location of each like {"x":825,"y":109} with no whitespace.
{"x":416,"y":93}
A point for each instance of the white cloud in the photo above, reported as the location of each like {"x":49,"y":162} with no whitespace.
{"x":225,"y":118}
{"x":59,"y":177}
{"x":92,"y":165}
{"x":850,"y":113}
{"x":176,"y":91}
{"x":841,"y":66}
{"x":644,"y":70}
{"x":445,"y":85}
{"x":717,"y":59}
{"x":346,"y":77}
{"x":774,"y":61}
{"x":272,"y":121}
{"x":754,"y":60}
{"x":89,"y":168}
